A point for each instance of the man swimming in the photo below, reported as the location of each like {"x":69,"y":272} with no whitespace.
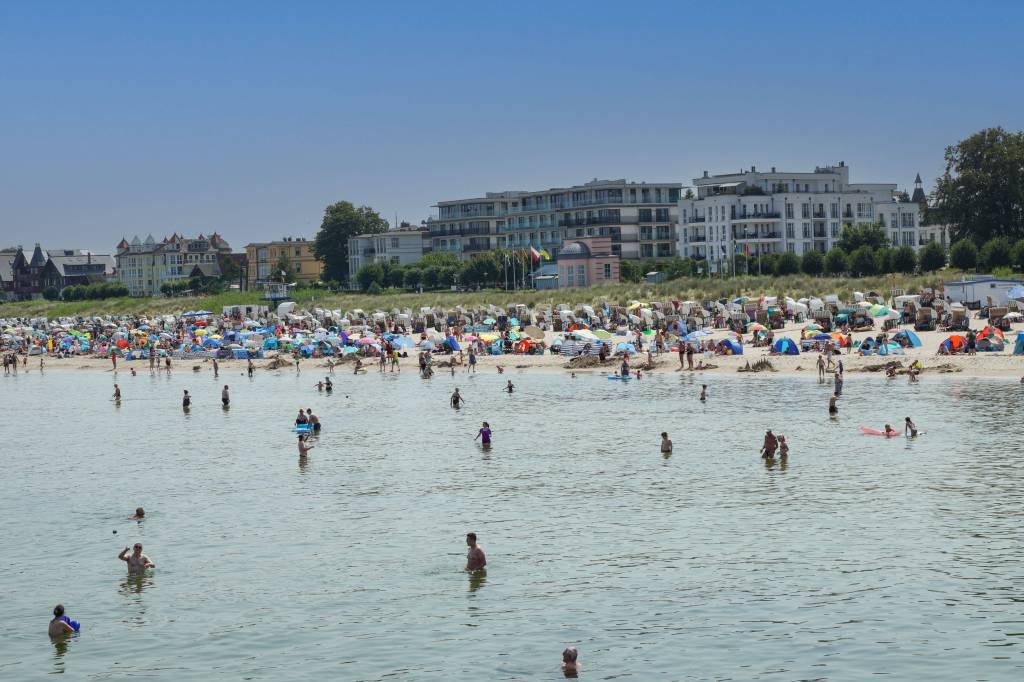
{"x":771,"y":443}
{"x":666,"y":444}
{"x":313,"y":420}
{"x":703,"y":392}
{"x":475,"y":558}
{"x":569,"y":663}
{"x":137,"y":561}
{"x":140,"y":514}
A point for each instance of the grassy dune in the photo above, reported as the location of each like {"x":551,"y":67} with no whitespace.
{"x":796,"y":286}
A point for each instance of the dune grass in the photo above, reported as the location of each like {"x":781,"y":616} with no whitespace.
{"x":698,"y":289}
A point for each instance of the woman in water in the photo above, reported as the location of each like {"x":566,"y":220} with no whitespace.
{"x":909,"y":427}
{"x":484,"y":434}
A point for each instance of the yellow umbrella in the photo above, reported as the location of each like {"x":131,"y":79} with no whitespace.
{"x":200,"y":332}
{"x":487,"y":338}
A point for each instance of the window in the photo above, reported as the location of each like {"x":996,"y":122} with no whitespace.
{"x":835,"y":230}
{"x":789,"y":211}
{"x":791,"y":247}
{"x":805,"y":210}
{"x":394,"y":259}
{"x":645,"y":215}
{"x":807,"y":230}
{"x":607,"y":270}
{"x":581,"y":277}
{"x":661,"y":215}
{"x":298,"y":252}
{"x":789,"y":231}
{"x":394,"y":242}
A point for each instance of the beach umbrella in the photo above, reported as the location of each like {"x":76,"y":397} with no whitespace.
{"x":991,"y":332}
{"x":489,"y":320}
{"x":756,"y":327}
{"x":602,"y":334}
{"x":624,"y":347}
{"x":367,"y":340}
{"x":534,"y":332}
{"x":733,"y":346}
{"x":733,"y":335}
{"x":470,"y":337}
{"x":453,"y":344}
{"x":822,"y":337}
{"x":814,"y":326}
{"x":427,"y":345}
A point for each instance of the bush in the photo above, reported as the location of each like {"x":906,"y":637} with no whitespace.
{"x":51,"y":293}
{"x":371,"y":273}
{"x":788,"y":264}
{"x":1017,"y":256}
{"x":904,"y":260}
{"x":395,"y":277}
{"x":813,"y":263}
{"x":963,"y":255}
{"x":629,"y":271}
{"x":836,"y":262}
{"x":884,"y":260}
{"x":431,"y":277}
{"x":933,"y":257}
{"x":863,"y":261}
{"x":95,"y":291}
{"x":997,"y":253}
{"x":374,"y":289}
{"x":412,"y":278}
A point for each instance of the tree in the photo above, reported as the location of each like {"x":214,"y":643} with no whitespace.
{"x":229,"y":268}
{"x":1018,"y":255}
{"x":284,"y":271}
{"x":932,"y":257}
{"x":629,"y":271}
{"x":675,"y":268}
{"x":963,"y":255}
{"x":856,"y":236}
{"x":341,"y":222}
{"x":51,"y":293}
{"x":764,"y":264}
{"x":481,"y":271}
{"x":787,"y":264}
{"x":439,"y":259}
{"x":371,"y":273}
{"x":863,"y":262}
{"x":431,"y":277}
{"x":395,"y":277}
{"x":813,"y":263}
{"x":412,"y":278}
{"x":689,"y":194}
{"x":374,"y":289}
{"x":997,"y":253}
{"x":836,"y":262}
{"x":981,"y":193}
{"x":884,"y":260}
{"x":904,"y":260}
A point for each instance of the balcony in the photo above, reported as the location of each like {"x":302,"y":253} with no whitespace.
{"x":698,"y":237}
{"x":697,"y":219}
{"x":847,"y":214}
{"x":369,"y":252}
{"x":475,"y":247}
{"x":764,"y":215}
{"x":820,"y":234}
{"x":596,"y":220}
{"x":754,"y":236}
{"x":458,"y":232}
{"x":818,"y":215}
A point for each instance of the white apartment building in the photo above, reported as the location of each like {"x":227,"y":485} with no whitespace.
{"x":401,"y":246}
{"x":640,"y":218}
{"x":771,"y":212}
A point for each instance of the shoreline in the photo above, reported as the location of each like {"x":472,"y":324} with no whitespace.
{"x":992,"y":365}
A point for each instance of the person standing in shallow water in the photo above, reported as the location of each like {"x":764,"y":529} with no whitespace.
{"x":666,"y":444}
{"x":186,"y":401}
{"x":484,"y":434}
{"x":225,"y":398}
{"x":475,"y":558}
{"x":457,"y":399}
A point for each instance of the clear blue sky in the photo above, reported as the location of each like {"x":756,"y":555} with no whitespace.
{"x":250,"y":117}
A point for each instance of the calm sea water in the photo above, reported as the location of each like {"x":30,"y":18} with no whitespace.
{"x":863,"y":556}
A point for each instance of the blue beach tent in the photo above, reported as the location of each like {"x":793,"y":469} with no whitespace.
{"x":785,"y":346}
{"x":1018,"y":348}
{"x":910,"y":336}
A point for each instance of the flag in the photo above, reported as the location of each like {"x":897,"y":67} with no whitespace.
{"x":547,"y":256}
{"x":534,"y":254}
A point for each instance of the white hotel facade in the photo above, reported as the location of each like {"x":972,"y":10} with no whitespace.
{"x":639,"y":217}
{"x":774,"y":212}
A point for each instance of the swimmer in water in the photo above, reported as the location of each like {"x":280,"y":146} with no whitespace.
{"x":302,"y":418}
{"x":60,"y":625}
{"x":137,"y":561}
{"x":889,"y":431}
{"x":117,"y":393}
{"x":225,"y":399}
{"x":569,"y":663}
{"x":909,"y":427}
{"x":319,"y":385}
{"x":832,"y":409}
{"x":186,"y":401}
{"x":475,"y":558}
{"x":666,"y":444}
{"x":140,"y":514}
{"x":303,"y":448}
{"x":703,"y":392}
{"x":783,"y":447}
{"x":509,"y":387}
{"x":457,"y":400}
{"x":328,"y":384}
{"x":485,"y":434}
{"x":313,"y":420}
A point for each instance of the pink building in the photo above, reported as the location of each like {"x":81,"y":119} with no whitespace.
{"x":586,"y":262}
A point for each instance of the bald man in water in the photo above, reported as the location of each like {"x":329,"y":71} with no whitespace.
{"x":137,"y":561}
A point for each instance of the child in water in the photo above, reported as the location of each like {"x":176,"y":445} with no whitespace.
{"x":783,"y":447}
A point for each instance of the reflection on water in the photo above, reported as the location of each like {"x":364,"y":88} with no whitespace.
{"x":706,"y":564}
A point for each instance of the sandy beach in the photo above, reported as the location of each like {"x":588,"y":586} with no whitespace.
{"x":1001,"y":364}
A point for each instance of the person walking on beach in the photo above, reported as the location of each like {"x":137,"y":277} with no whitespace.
{"x":394,"y":359}
{"x":330,"y":365}
{"x":113,"y":359}
{"x":167,"y":364}
{"x":689,"y":356}
{"x":186,"y":401}
{"x":484,"y":434}
{"x":457,"y":400}
{"x":682,"y":354}
{"x":472,"y":361}
{"x":838,"y":382}
{"x":909,"y":427}
{"x":475,"y":558}
{"x":771,"y":444}
{"x":666,"y":444}
{"x":152,"y":358}
{"x":225,"y":399}
{"x":216,"y":369}
{"x":137,"y":561}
